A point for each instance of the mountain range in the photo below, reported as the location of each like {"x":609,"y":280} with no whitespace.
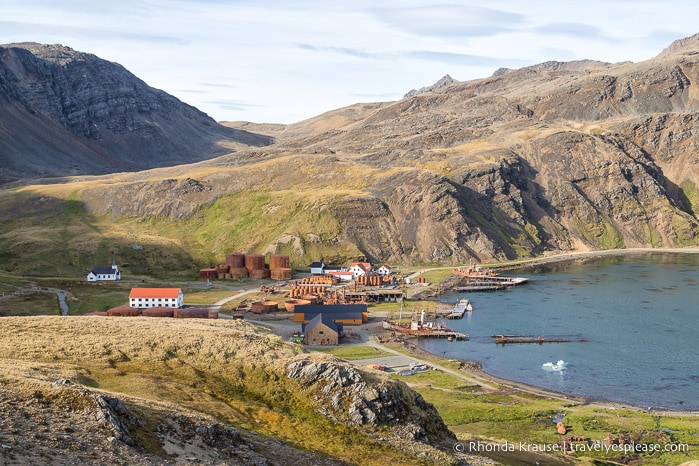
{"x":554,"y":157}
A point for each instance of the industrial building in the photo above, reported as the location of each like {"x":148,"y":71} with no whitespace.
{"x":322,"y":330}
{"x":142,"y":298}
{"x":346,"y":314}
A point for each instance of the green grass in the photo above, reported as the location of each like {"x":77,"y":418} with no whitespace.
{"x":356,"y":352}
{"x":518,"y":417}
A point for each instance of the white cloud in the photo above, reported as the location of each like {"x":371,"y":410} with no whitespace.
{"x":274,"y":61}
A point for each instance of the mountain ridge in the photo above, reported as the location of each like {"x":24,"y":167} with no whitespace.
{"x":542,"y":159}
{"x":65,"y":112}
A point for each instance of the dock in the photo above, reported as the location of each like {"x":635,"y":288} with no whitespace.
{"x":488,"y":283}
{"x":540,"y":339}
{"x":425,"y":331}
{"x":460,"y":308}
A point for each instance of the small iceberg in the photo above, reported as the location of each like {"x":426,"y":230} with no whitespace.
{"x":559,"y":366}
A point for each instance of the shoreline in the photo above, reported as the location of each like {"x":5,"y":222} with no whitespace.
{"x":576,"y":255}
{"x":482,"y":377}
{"x":479,"y":374}
{"x":541,"y":391}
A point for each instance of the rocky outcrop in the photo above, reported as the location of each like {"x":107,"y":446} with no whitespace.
{"x":444,"y":82}
{"x":345,"y":395}
{"x":68,"y":112}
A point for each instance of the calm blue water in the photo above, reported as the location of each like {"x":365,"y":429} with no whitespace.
{"x":640,"y":314}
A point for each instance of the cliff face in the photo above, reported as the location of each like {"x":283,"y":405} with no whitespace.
{"x":586,"y":155}
{"x":64,"y":112}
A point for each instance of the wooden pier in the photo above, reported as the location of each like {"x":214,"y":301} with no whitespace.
{"x":540,"y":339}
{"x":425,"y":331}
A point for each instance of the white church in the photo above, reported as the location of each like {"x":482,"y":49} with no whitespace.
{"x":105,"y":273}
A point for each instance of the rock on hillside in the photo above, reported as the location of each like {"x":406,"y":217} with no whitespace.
{"x":64,"y":112}
{"x":444,"y":82}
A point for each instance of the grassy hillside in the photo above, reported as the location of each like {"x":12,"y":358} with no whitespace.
{"x":223,"y":369}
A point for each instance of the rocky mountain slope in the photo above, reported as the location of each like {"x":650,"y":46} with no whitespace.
{"x":137,"y":391}
{"x":64,"y":112}
{"x":553,"y":157}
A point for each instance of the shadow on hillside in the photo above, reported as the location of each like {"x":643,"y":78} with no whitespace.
{"x":52,"y":237}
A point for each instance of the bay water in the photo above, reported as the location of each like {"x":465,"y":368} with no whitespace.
{"x":637,"y":314}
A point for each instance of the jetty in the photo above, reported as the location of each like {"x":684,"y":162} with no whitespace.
{"x":503,"y":339}
{"x":460,"y":308}
{"x":418,"y":327}
{"x":475,"y":278}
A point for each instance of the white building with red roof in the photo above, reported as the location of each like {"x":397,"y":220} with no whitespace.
{"x":360,"y":269}
{"x":156,"y":297}
{"x":384,"y":270}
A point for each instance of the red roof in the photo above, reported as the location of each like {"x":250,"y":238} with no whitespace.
{"x":155,"y":292}
{"x":365,"y":266}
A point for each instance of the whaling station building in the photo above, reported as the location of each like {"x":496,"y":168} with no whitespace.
{"x":143,"y":298}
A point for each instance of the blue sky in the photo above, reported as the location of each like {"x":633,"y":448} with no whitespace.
{"x":276,"y":61}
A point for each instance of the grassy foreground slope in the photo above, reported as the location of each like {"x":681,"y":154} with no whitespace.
{"x":222,"y":369}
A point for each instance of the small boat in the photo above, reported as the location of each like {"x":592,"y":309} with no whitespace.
{"x":559,"y":366}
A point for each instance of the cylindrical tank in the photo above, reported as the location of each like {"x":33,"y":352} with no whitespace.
{"x":292,"y":303}
{"x":239,"y":272}
{"x":191,"y":313}
{"x":254,"y":262}
{"x":123,"y":311}
{"x":259,"y":273}
{"x":235,"y":260}
{"x":158,"y":312}
{"x":280,"y":274}
{"x":279,"y":261}
{"x":264,"y":307}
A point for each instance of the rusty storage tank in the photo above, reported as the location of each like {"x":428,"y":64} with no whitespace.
{"x":290,"y":304}
{"x":222,"y":268}
{"x":235,"y":260}
{"x":123,"y":311}
{"x":213,"y":314}
{"x":280,"y":274}
{"x":158,"y":312}
{"x":239,"y":272}
{"x":259,"y":273}
{"x":279,"y":261}
{"x":254,"y":262}
{"x":264,"y":307}
{"x":191,"y":313}
{"x":208,"y":273}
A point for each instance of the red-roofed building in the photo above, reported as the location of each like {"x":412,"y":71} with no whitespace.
{"x":341,"y":275}
{"x":384,"y":270}
{"x":359,"y":269}
{"x":156,"y":297}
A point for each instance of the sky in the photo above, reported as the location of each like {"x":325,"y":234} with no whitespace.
{"x":274,"y":61}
